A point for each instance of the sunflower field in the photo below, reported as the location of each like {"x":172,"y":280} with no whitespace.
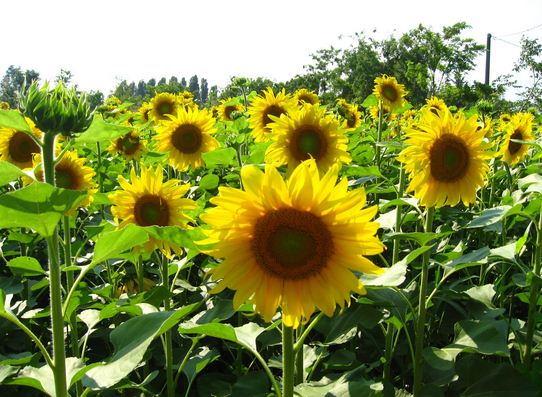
{"x":274,"y":244}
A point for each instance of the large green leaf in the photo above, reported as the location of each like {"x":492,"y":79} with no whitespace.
{"x":245,"y":335}
{"x":13,"y":119}
{"x":112,"y":244}
{"x":489,"y":217}
{"x":222,"y":156}
{"x":197,"y":363}
{"x":482,"y":336}
{"x":101,"y":131}
{"x":475,"y":257}
{"x":38,"y":206}
{"x":26,"y":266}
{"x":9,"y":172}
{"x":130,"y":341}
{"x":392,"y":276}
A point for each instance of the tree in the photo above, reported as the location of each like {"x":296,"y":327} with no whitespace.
{"x":193,"y":87}
{"x":64,"y":77}
{"x":183,"y":83}
{"x":95,"y":99}
{"x":162,"y":81}
{"x":204,"y":90}
{"x":14,"y":81}
{"x":530,"y":60}
{"x":141,"y":90}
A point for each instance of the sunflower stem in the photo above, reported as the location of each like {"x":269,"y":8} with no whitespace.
{"x":388,"y":351}
{"x":378,"y":134}
{"x":100,"y":176}
{"x":420,"y":324}
{"x":533,"y":297}
{"x":140,"y":273}
{"x":398,"y":217}
{"x":288,"y":361}
{"x":299,"y":367}
{"x":55,"y":291}
{"x":167,"y":336}
{"x":74,"y":336}
{"x":509,"y":177}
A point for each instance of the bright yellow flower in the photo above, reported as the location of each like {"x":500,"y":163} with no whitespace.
{"x":262,"y":107}
{"x":389,"y":91}
{"x":308,"y":133}
{"x":350,"y":113}
{"x":163,"y":104}
{"x":229,"y":108}
{"x":305,"y":96}
{"x":186,"y":136}
{"x":520,"y":127}
{"x":18,"y":147}
{"x":144,"y":112}
{"x":148,"y":201}
{"x":129,"y":146}
{"x":4,"y":105}
{"x":292,"y":244}
{"x":436,"y":104}
{"x":446,"y":158}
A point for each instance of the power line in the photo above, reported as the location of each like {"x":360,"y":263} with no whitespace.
{"x":506,"y":41}
{"x":523,"y":31}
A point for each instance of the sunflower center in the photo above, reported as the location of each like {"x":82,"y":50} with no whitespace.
{"x":165,"y":108}
{"x":390,"y":93}
{"x":22,"y":147}
{"x":187,"y":138}
{"x":449,"y":158}
{"x":513,"y":147}
{"x":151,"y":210}
{"x":228,"y":110}
{"x":291,"y":244}
{"x":128,"y":144}
{"x":272,"y":110}
{"x":308,"y":141}
{"x":66,"y":178}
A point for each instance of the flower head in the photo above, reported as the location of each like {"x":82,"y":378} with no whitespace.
{"x":389,"y":91}
{"x":267,"y":105}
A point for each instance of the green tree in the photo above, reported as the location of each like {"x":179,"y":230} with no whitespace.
{"x":204,"y":91}
{"x":65,"y":77}
{"x":530,"y":60}
{"x":193,"y":87}
{"x":14,"y":81}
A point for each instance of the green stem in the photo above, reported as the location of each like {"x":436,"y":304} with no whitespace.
{"x":140,"y":273}
{"x":420,"y":324}
{"x":288,"y":359}
{"x":533,"y":298}
{"x":396,"y":241}
{"x":300,"y":340}
{"x":55,"y":289}
{"x":186,"y":357}
{"x":388,"y":351}
{"x":299,"y":367}
{"x":169,"y":343}
{"x":100,"y":176}
{"x":378,"y":134}
{"x":509,"y":176}
{"x":74,"y":335}
{"x":492,"y":190}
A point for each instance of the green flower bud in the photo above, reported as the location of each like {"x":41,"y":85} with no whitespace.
{"x":60,"y":110}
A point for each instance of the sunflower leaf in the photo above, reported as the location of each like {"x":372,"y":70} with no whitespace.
{"x":38,"y":206}
{"x":9,"y":172}
{"x":112,"y":244}
{"x":101,"y":131}
{"x":13,"y":119}
{"x":489,"y":217}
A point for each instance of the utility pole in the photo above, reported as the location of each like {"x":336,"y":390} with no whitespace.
{"x":488,"y":57}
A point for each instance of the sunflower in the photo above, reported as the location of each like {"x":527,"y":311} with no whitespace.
{"x":148,"y":201}
{"x":520,"y":127}
{"x":446,"y":158}
{"x":144,"y":111}
{"x":389,"y":91}
{"x":70,"y":173}
{"x":292,"y":244}
{"x":163,"y":104}
{"x":307,"y":133}
{"x":130,"y":146}
{"x":435,"y":104}
{"x":262,"y":107}
{"x":4,"y":105}
{"x":305,"y":96}
{"x":186,"y":136}
{"x":186,"y":100}
{"x":18,"y":147}
{"x":387,"y":115}
{"x":350,"y":113}
{"x":229,"y":109}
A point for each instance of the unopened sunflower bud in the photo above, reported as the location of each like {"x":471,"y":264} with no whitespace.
{"x":60,"y":110}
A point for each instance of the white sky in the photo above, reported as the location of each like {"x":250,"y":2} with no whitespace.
{"x":103,"y":42}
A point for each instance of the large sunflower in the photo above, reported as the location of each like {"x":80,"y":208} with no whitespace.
{"x":18,"y":147}
{"x":446,"y":158}
{"x":129,"y":146}
{"x":163,"y":104}
{"x":262,"y":107}
{"x":292,"y":244}
{"x":389,"y":91}
{"x":308,"y":133}
{"x":148,"y":201}
{"x":186,"y":136}
{"x":520,"y":127}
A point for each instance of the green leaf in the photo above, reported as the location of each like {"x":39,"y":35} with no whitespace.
{"x":475,"y":257}
{"x":101,"y":131}
{"x":38,"y":206}
{"x":351,"y":384}
{"x":197,"y":363}
{"x":531,"y":183}
{"x":222,"y":156}
{"x":371,"y":100}
{"x":506,"y":251}
{"x":483,"y":294}
{"x":130,"y":341}
{"x":209,"y":182}
{"x":489,"y":217}
{"x":6,"y":371}
{"x":26,"y":266}
{"x":482,"y":336}
{"x":13,"y":119}
{"x":9,"y":172}
{"x":253,"y":384}
{"x":422,"y":238}
{"x":112,"y":244}
{"x":342,"y":328}
{"x":245,"y":335}
{"x":393,"y":276}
